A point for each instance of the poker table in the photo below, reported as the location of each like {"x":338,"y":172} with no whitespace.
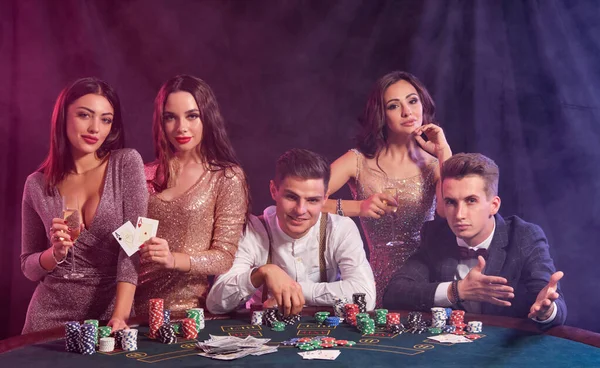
{"x":505,"y":342}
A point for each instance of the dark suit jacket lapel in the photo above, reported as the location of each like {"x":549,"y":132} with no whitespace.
{"x":448,"y":253}
{"x":496,"y":255}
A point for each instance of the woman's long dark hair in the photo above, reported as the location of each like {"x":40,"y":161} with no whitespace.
{"x":215,"y":150}
{"x":59,"y":161}
{"x":373,"y":134}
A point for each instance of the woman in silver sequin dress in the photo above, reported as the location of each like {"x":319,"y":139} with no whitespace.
{"x":394,"y":173}
{"x":87,"y":161}
{"x":198,"y":193}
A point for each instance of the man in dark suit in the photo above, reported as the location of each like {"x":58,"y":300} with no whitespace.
{"x":475,"y":259}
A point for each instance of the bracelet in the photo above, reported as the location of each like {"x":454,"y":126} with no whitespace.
{"x":56,"y":260}
{"x":455,"y":296}
{"x":338,"y":207}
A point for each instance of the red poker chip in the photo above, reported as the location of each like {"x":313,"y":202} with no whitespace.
{"x":341,"y":342}
{"x":473,"y":336}
{"x":327,"y":345}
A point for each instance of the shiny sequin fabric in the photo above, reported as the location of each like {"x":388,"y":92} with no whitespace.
{"x":98,"y":256}
{"x":206,"y":223}
{"x":416,"y":199}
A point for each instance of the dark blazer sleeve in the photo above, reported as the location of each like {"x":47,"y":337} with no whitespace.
{"x":537,"y":269}
{"x":411,"y":286}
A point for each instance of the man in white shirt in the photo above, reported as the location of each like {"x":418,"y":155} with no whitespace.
{"x":286,"y":252}
{"x":477,"y":260}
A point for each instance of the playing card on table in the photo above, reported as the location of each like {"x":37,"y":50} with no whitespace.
{"x":144,"y":230}
{"x":320,"y":354}
{"x":124,"y":236}
{"x":455,"y":339}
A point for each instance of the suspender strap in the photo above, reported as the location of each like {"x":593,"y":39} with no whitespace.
{"x":265,"y":293}
{"x":323,"y":246}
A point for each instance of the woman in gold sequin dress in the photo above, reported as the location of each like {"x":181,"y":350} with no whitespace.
{"x":198,"y":192}
{"x":394,"y":172}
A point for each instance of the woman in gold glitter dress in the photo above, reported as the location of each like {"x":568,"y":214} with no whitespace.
{"x":394,"y":172}
{"x":199,"y":194}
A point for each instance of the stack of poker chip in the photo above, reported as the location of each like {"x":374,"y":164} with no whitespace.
{"x":177,"y":327}
{"x":457,"y":319}
{"x":103,"y":331}
{"x":118,"y":338}
{"x":156,"y":316}
{"x":189,"y":328}
{"x":129,"y":339}
{"x":360,"y":299}
{"x":278,"y":326}
{"x":197,"y":314}
{"x":201,"y":319}
{"x":448,"y":329}
{"x":96,"y":323}
{"x":321,"y":316}
{"x":360,"y":318}
{"x":381,"y":317}
{"x":338,"y":307}
{"x":107,"y":344}
{"x":166,"y":334}
{"x":351,"y":312}
{"x":415,"y":323}
{"x":366,"y":325}
{"x":72,"y":336}
{"x":397,"y":329}
{"x":393,"y":324}
{"x":392,"y":319}
{"x":292,"y":319}
{"x":475,"y":327}
{"x":332,"y":321}
{"x":257,"y":317}
{"x":270,"y":316}
{"x":438,"y":317}
{"x":166,"y":316}
{"x":87,"y":343}
{"x":448,"y":313}
{"x":317,"y":342}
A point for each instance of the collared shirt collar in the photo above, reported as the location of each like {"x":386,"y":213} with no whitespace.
{"x":277,"y":231}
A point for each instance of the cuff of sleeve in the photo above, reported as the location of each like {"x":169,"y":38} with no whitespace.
{"x":308,"y":290}
{"x":440,"y":297}
{"x":34,"y":269}
{"x":551,"y":318}
{"x":246,"y":287}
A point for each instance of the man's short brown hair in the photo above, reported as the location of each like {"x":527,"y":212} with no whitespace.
{"x":303,"y":164}
{"x":465,"y":164}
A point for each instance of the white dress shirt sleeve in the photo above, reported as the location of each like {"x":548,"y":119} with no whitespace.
{"x":346,"y":247}
{"x":235,"y":286}
{"x":551,"y":318}
{"x":440,"y":298}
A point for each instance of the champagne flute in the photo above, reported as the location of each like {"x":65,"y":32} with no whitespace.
{"x":393,"y":192}
{"x":72,"y":216}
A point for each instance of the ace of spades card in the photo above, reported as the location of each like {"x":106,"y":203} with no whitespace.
{"x":124,"y":236}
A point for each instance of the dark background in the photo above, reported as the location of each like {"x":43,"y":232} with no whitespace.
{"x":516,"y":80}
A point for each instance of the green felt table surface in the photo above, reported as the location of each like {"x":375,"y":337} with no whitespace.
{"x":499,"y":346}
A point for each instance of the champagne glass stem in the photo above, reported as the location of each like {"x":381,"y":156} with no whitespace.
{"x":73,"y":259}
